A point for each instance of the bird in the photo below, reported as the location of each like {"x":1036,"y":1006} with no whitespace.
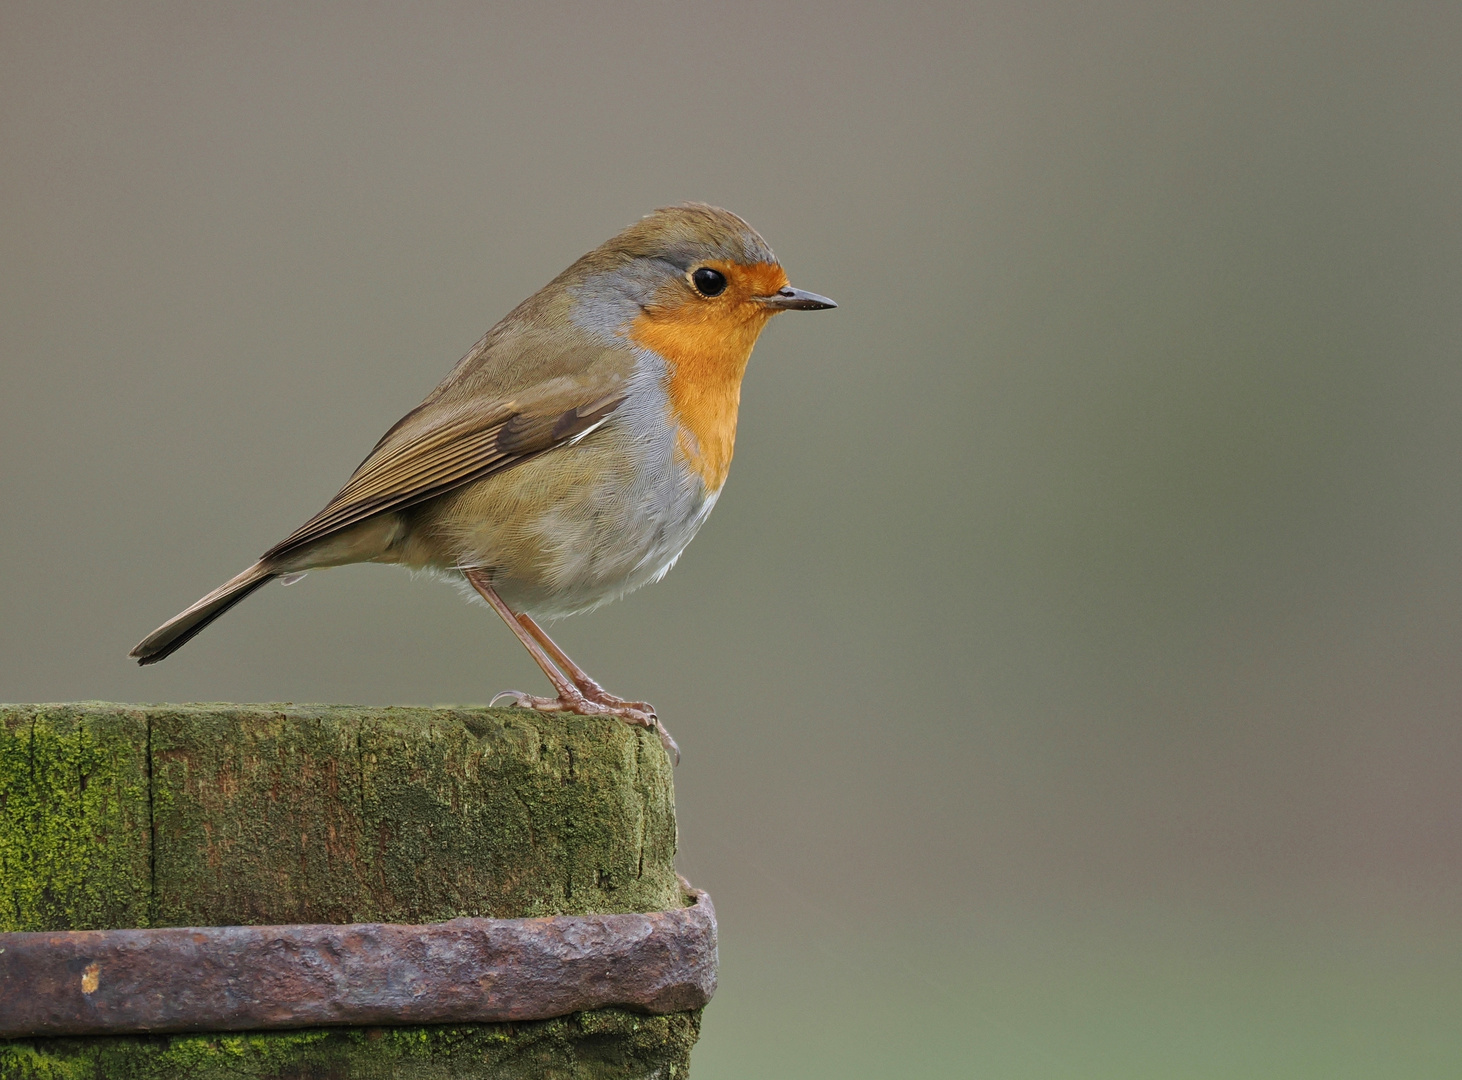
{"x":570,"y":456}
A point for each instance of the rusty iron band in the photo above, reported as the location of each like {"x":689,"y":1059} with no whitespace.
{"x":239,"y":978}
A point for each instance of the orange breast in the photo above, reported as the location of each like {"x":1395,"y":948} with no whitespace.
{"x":706,"y":345}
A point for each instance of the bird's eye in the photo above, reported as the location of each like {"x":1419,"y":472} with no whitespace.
{"x":709,"y":282}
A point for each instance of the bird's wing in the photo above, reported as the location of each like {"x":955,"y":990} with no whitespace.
{"x":438,"y":448}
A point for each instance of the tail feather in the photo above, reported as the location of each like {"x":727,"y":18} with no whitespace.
{"x":181,"y":628}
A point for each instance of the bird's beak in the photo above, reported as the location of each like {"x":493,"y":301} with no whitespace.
{"x":790,"y":299}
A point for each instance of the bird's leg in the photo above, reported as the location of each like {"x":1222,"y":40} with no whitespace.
{"x":570,"y":698}
{"x":581,"y":678}
{"x":591,"y":689}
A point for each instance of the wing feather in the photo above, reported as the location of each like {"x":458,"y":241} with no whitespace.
{"x":456,"y":452}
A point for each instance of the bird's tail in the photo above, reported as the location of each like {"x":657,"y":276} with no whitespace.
{"x":179,"y":630}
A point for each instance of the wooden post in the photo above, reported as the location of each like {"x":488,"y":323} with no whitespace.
{"x":115,"y":816}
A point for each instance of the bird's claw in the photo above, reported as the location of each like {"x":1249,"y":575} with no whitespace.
{"x":672,"y":748}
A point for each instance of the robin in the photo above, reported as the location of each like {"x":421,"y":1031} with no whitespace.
{"x":570,"y":456}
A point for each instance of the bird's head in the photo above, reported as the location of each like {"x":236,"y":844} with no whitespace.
{"x":688,"y":278}
{"x":694,"y":285}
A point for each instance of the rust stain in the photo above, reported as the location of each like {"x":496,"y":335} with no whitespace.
{"x":91,"y":978}
{"x":211,"y":847}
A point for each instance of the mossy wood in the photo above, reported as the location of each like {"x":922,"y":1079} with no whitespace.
{"x":115,"y":816}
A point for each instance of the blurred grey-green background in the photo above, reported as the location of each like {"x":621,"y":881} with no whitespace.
{"x":1069,"y":678}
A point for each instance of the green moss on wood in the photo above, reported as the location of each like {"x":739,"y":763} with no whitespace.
{"x":304,"y":814}
{"x":74,"y":843}
{"x":606,"y":1044}
{"x":280,"y":814}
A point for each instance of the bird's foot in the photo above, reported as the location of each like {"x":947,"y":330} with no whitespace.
{"x":635,"y":713}
{"x":572,"y":701}
{"x":600,"y":696}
